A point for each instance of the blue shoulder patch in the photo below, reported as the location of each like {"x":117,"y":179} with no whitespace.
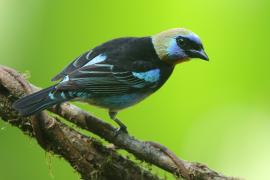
{"x":149,"y":76}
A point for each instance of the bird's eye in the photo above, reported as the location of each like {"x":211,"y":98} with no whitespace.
{"x":182,"y":43}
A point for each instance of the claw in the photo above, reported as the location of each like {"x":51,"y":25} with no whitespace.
{"x":121,"y":129}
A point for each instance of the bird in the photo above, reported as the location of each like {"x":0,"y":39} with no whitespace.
{"x":118,"y":73}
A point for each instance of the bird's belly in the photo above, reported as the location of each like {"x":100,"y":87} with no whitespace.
{"x":118,"y":102}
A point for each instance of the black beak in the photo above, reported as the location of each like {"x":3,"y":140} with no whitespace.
{"x":198,"y":54}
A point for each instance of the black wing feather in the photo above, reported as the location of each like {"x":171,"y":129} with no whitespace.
{"x":121,"y":51}
{"x":124,"y":56}
{"x":103,"y":79}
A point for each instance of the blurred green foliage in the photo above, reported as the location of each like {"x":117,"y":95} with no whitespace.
{"x":216,"y":113}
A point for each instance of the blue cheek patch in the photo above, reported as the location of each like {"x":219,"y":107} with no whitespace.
{"x":173,"y":49}
{"x":149,"y":76}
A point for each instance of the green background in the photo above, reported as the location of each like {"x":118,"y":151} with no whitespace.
{"x":213,"y":112}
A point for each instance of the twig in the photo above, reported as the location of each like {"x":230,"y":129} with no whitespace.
{"x":150,"y":152}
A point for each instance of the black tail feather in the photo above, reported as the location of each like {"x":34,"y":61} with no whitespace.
{"x":36,"y":102}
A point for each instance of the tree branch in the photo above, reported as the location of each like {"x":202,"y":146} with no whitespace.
{"x":85,"y":154}
{"x":57,"y":135}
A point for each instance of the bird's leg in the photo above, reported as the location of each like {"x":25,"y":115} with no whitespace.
{"x":122,"y":127}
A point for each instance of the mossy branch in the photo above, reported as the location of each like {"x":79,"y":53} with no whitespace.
{"x":86,"y":154}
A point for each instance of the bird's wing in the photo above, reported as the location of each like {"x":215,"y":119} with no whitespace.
{"x":93,"y":56}
{"x":87,"y":57}
{"x":105,"y":79}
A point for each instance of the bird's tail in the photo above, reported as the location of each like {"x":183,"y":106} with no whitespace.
{"x":39,"y":101}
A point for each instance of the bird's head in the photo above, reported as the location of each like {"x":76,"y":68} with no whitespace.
{"x":178,"y":45}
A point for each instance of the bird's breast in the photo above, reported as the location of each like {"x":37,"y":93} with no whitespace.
{"x":118,"y":102}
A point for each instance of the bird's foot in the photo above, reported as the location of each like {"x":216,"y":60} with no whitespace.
{"x":120,"y":130}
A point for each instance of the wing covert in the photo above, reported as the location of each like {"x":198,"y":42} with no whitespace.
{"x":107,"y":79}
